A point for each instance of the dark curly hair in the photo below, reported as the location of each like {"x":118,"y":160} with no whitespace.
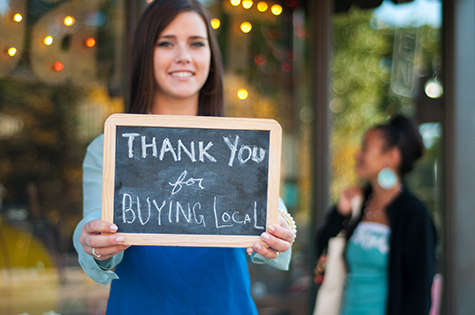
{"x":402,"y":133}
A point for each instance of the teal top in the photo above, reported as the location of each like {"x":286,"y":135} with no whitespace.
{"x":367,"y":253}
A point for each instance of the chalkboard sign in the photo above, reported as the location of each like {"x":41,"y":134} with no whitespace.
{"x":191,"y":181}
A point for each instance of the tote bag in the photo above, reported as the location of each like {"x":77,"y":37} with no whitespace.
{"x":330,"y":293}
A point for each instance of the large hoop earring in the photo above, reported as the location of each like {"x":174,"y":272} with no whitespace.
{"x":387,"y":178}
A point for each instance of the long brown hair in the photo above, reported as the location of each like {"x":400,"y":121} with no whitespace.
{"x":141,"y":81}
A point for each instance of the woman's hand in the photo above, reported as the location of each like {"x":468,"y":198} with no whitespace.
{"x":105,"y":246}
{"x":278,"y":238}
{"x":344,"y":200}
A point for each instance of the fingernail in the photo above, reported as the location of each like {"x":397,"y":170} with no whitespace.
{"x":257,"y":246}
{"x":265,"y":236}
{"x":113,"y":228}
{"x":120,"y":239}
{"x":271,"y":228}
{"x":249,"y":251}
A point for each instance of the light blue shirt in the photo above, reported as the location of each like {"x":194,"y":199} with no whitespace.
{"x":92,"y":203}
{"x":367,"y":254}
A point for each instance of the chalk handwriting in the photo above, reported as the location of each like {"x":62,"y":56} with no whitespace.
{"x":177,"y":186}
{"x":245,"y":153}
{"x":230,"y":219}
{"x":185,"y":213}
{"x":129,"y":214}
{"x":168,"y":148}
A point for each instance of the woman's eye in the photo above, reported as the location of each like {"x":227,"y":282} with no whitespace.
{"x":197,"y":44}
{"x":164,"y":44}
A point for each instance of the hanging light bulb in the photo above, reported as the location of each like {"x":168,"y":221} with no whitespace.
{"x":48,"y":40}
{"x":276,"y":9}
{"x":242,"y":94}
{"x":246,"y":27}
{"x":90,"y":42}
{"x":433,"y":88}
{"x":247,"y":4}
{"x":17,"y":18}
{"x":235,"y":2}
{"x":215,"y":23}
{"x":12,"y":51}
{"x":262,"y":6}
{"x":69,"y":20}
{"x":58,"y":66}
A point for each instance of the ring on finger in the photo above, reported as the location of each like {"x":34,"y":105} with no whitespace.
{"x":95,"y":254}
{"x":277,"y":253}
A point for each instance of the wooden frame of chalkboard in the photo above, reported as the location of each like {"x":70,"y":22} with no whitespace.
{"x":191,"y":180}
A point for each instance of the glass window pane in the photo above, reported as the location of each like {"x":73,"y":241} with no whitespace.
{"x":387,"y":61}
{"x":62,"y":76}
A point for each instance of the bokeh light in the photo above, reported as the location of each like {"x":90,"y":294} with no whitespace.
{"x":276,"y":9}
{"x":433,"y":89}
{"x":242,"y":94}
{"x":246,"y":27}
{"x":90,"y":42}
{"x":260,"y":59}
{"x":58,"y":66}
{"x":69,"y":20}
{"x":17,"y":18}
{"x":300,"y":32}
{"x":247,"y":4}
{"x":215,"y":23}
{"x":287,"y":66}
{"x":48,"y":40}
{"x":262,"y":6}
{"x":235,"y":2}
{"x":12,"y":51}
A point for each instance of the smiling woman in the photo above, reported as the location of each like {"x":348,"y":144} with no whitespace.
{"x":175,"y":70}
{"x":167,"y":49}
{"x":181,"y":65}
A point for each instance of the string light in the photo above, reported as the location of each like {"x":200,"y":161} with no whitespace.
{"x":69,"y":20}
{"x":17,"y":17}
{"x":260,"y":59}
{"x":48,"y":40}
{"x":215,"y":23}
{"x":287,"y":66}
{"x":246,"y":27}
{"x":12,"y":51}
{"x":276,"y":9}
{"x":242,"y":94}
{"x":247,"y":4}
{"x":58,"y":66}
{"x":235,"y":2}
{"x":262,"y":6}
{"x":291,"y":56}
{"x":90,"y":42}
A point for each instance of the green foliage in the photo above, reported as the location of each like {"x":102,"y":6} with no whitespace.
{"x":364,"y":81}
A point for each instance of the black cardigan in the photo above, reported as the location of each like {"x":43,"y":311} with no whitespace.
{"x":412,"y":261}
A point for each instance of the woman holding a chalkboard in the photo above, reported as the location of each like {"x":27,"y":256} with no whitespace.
{"x":176,"y":70}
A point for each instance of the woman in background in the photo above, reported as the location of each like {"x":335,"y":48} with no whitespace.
{"x":176,"y":70}
{"x":390,"y":251}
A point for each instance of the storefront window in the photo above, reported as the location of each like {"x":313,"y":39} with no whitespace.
{"x":265,"y":51}
{"x":387,"y":61}
{"x":62,"y":67}
{"x":61,"y":72}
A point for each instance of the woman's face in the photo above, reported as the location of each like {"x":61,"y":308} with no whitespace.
{"x":372,"y":156}
{"x":182,"y":58}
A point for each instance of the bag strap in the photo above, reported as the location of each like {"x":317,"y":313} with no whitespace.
{"x":356,"y":202}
